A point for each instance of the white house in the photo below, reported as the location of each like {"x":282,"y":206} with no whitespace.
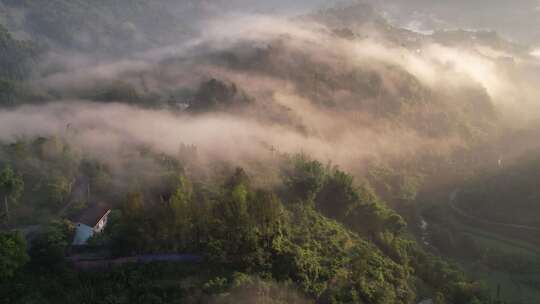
{"x":92,"y":221}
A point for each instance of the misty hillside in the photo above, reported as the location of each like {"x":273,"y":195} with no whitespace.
{"x":233,"y":152}
{"x":102,"y":26}
{"x":517,"y":21}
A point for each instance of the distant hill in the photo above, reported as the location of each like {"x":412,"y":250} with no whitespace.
{"x":103,"y":25}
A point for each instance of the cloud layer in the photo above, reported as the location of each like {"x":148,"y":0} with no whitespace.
{"x":317,"y":91}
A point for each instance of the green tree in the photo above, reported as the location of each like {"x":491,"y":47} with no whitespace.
{"x":49,"y":247}
{"x":180,"y":212}
{"x":216,"y":95}
{"x":305,"y":179}
{"x":12,"y":254}
{"x":58,"y":189}
{"x":338,"y":195}
{"x":232,"y":221}
{"x":266,"y":212}
{"x":133,"y":207}
{"x":200,"y":209}
{"x":119,"y":91}
{"x":8,"y":92}
{"x":128,"y":234}
{"x":369,"y":215}
{"x":245,"y":224}
{"x":11,"y":187}
{"x":15,"y":56}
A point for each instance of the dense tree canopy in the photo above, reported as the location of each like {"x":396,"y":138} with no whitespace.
{"x":281,"y":229}
{"x":12,"y":254}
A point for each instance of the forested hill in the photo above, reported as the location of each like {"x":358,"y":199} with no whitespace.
{"x":294,"y":155}
{"x":104,"y":25}
{"x":17,"y":56}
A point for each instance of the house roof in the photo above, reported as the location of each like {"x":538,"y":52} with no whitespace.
{"x":93,"y":214}
{"x":82,"y":234}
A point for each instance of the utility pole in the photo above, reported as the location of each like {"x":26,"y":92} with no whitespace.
{"x":273,"y":150}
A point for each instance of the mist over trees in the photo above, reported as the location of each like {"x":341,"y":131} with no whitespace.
{"x":287,"y":153}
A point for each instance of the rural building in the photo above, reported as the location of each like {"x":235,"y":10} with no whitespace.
{"x":92,"y":221}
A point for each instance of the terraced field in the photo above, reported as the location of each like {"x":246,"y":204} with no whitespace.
{"x":507,"y":259}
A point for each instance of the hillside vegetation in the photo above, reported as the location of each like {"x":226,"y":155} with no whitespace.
{"x":304,"y":159}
